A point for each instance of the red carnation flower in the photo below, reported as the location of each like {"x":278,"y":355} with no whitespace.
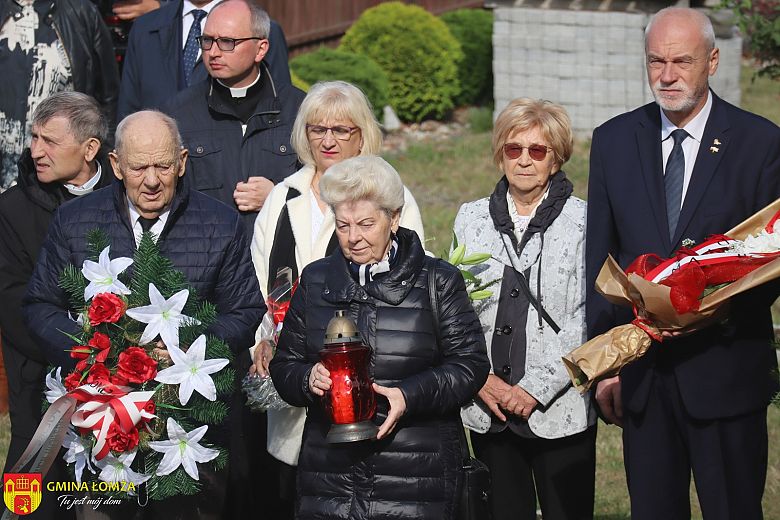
{"x":101,"y":342}
{"x":80,"y":352}
{"x":105,"y":308}
{"x":98,"y":374}
{"x":120,"y":441}
{"x":72,"y":381}
{"x":136,"y":366}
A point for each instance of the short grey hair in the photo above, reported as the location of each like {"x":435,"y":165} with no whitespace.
{"x":83,"y":113}
{"x":170,"y":123}
{"x":259,"y":21}
{"x":335,"y":100}
{"x":703,"y":21}
{"x":369,"y":178}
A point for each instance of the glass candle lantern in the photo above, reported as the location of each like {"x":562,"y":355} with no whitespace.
{"x":350,"y":402}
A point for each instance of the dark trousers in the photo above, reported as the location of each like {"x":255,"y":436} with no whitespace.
{"x":561,"y":472}
{"x":664,"y":444}
{"x":26,"y":383}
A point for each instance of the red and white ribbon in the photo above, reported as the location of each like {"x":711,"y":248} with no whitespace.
{"x":104,"y":405}
{"x":711,"y":252}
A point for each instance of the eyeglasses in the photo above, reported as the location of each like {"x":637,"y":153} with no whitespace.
{"x":224,"y":44}
{"x":342,"y":133}
{"x":537,"y":152}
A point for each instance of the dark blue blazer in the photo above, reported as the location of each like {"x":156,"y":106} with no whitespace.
{"x":152,"y":72}
{"x":729,"y":368}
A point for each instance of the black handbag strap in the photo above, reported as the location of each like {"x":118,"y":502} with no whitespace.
{"x":467,"y":450}
{"x":433,"y":299}
{"x":533,"y":301}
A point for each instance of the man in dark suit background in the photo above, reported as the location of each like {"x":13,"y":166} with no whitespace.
{"x":685,"y":167}
{"x":155,"y":68}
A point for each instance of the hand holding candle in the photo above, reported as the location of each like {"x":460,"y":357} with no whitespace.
{"x":319,"y":380}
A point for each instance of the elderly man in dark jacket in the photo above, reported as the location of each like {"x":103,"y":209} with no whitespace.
{"x":237,"y":124}
{"x":202,"y":237}
{"x":62,"y":163}
{"x":69,"y":49}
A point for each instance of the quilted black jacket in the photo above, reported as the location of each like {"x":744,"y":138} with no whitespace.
{"x":415,"y":472}
{"x":202,"y":237}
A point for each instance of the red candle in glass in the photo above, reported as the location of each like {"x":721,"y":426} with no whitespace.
{"x":350,"y":402}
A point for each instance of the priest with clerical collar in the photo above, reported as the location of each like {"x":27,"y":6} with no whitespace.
{"x":237,"y":124}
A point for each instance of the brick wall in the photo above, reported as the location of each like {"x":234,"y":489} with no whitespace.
{"x":591,"y":62}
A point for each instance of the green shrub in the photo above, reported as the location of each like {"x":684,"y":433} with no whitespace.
{"x":473,"y":28}
{"x":298,"y":82}
{"x":480,"y":119}
{"x":328,"y":64}
{"x":418,"y":53}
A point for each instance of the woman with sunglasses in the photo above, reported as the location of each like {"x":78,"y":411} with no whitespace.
{"x":535,"y":432}
{"x":295,"y":227}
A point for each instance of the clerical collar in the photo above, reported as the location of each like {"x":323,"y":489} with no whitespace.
{"x":240,"y":92}
{"x":88,"y":186}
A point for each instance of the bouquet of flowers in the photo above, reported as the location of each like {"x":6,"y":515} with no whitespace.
{"x":260,"y":391}
{"x":682,"y":294}
{"x":148,"y":383}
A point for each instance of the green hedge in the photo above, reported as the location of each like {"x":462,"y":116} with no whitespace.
{"x":298,"y":82}
{"x":418,"y":53}
{"x":329,"y":64}
{"x":473,"y":28}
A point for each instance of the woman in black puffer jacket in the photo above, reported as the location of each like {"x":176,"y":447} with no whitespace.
{"x":380,"y":276}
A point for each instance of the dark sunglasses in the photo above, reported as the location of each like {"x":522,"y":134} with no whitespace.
{"x":537,"y":152}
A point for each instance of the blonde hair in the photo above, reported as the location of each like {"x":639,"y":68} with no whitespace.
{"x":524,"y":114}
{"x":368,"y":178}
{"x":335,"y":100}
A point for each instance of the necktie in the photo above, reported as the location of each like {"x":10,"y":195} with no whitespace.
{"x":191,"y":47}
{"x":673,"y":180}
{"x":147,"y":223}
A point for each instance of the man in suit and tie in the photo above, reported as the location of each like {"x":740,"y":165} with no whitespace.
{"x":687,"y":166}
{"x":163,"y":56}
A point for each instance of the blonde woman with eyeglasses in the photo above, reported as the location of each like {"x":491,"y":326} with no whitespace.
{"x":295,"y":227}
{"x":534,"y":431}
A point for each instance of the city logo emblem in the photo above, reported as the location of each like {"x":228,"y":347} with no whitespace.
{"x":22,"y":492}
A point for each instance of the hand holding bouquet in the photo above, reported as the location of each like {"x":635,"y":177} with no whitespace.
{"x":678,"y":295}
{"x":259,"y":389}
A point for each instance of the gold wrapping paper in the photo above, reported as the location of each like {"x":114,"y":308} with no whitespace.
{"x":604,"y":355}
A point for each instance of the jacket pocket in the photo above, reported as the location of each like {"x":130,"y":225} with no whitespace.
{"x":205,"y":158}
{"x":282,"y":159}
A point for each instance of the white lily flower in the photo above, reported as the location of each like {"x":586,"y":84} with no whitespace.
{"x":163,"y":317}
{"x":117,"y":469}
{"x":182,"y":449}
{"x":190,"y":370}
{"x":103,"y":276}
{"x":55,"y":388}
{"x":78,"y":453}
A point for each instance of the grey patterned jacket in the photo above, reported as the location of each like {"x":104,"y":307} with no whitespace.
{"x":562,"y":411}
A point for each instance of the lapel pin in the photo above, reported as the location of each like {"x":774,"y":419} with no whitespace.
{"x":716,"y":142}
{"x":714,"y":149}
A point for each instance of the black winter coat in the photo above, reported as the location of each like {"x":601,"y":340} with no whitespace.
{"x":202,"y":237}
{"x":220,"y":156}
{"x":88,"y":44}
{"x":415,"y":472}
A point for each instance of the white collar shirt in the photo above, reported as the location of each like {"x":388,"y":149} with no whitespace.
{"x":690,"y":145}
{"x":187,"y":18}
{"x":156,"y":228}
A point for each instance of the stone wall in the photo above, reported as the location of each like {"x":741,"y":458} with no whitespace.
{"x":591,"y":62}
